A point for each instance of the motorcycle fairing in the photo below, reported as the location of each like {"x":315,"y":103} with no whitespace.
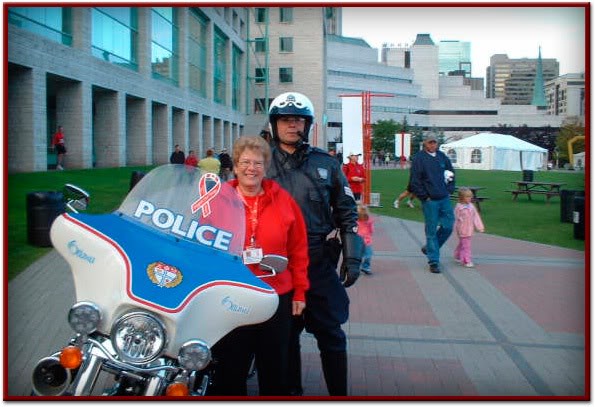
{"x":198,"y":268}
{"x":109,"y":256}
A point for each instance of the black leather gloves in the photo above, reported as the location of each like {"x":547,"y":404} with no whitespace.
{"x":353,"y":248}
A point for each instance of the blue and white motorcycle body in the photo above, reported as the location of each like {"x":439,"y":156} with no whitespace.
{"x":158,"y":282}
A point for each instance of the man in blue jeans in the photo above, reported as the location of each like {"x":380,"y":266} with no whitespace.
{"x":432,"y":181}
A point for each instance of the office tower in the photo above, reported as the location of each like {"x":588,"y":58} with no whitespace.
{"x":513,"y":80}
{"x":454,"y":56}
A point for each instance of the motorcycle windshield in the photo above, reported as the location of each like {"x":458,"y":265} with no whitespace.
{"x":189,"y":204}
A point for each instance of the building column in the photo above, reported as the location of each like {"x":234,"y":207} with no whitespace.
{"x":179,"y":129}
{"x":74,"y":114}
{"x":109,"y":128}
{"x":193,"y":131}
{"x":81,"y":28}
{"x":144,"y":41}
{"x":26,"y":120}
{"x":138,"y":132}
{"x":161,"y":118}
{"x":207,"y":134}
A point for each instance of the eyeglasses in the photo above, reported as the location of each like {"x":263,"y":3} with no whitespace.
{"x":259,"y":165}
{"x":289,"y":119}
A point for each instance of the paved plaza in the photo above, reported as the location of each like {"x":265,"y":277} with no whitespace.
{"x":513,"y":326}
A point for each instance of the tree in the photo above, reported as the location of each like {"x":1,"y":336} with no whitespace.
{"x":384,"y":135}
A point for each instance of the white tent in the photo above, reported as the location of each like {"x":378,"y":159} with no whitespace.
{"x":493,"y":151}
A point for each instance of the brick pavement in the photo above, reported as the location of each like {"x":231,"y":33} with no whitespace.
{"x":513,"y":326}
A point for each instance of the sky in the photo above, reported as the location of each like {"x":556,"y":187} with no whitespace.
{"x":515,"y":31}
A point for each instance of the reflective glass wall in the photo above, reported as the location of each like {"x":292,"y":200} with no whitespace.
{"x":164,"y":43}
{"x":54,"y":23}
{"x":114,"y":35}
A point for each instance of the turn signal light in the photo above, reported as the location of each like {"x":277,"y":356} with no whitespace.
{"x":71,"y":357}
{"x":177,"y":389}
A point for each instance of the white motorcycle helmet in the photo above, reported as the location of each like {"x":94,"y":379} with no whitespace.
{"x":291,"y":104}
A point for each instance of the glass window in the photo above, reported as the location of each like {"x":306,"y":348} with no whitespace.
{"x":164,"y":43}
{"x":285,"y":75}
{"x":114,"y":35}
{"x":219,"y":77}
{"x":260,"y":75}
{"x":476,"y":156}
{"x":285,"y":14}
{"x":197,"y":51}
{"x":236,"y":82}
{"x":260,"y":15}
{"x":286,"y":44}
{"x":54,"y":23}
{"x":260,"y":107}
{"x":260,"y":45}
{"x":452,"y":155}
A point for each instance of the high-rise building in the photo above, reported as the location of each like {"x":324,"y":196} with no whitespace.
{"x":565,"y":96}
{"x":454,"y":56}
{"x":287,"y":53}
{"x":513,"y":80}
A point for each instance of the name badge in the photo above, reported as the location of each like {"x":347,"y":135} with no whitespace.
{"x":252,"y":255}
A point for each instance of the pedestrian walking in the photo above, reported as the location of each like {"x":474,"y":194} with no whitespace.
{"x":467,"y":220}
{"x":432,"y":181}
{"x":59,"y":146}
{"x":365,"y":228}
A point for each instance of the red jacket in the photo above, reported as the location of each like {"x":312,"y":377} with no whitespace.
{"x":355,"y":170}
{"x":58,"y":138}
{"x":280,"y":230}
{"x":191,"y":161}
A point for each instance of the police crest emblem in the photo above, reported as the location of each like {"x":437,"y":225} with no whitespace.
{"x":164,"y":275}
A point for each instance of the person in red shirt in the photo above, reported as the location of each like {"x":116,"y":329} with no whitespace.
{"x":356,"y":175}
{"x":191,"y":160}
{"x":274,"y":225}
{"x":59,"y":147}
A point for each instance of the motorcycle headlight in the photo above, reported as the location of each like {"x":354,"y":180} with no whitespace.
{"x":138,"y":337}
{"x":84,"y":317}
{"x":194,"y":355}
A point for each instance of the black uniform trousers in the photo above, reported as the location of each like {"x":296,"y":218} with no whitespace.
{"x":327,"y":307}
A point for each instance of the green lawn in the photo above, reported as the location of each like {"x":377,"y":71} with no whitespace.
{"x":534,"y":220}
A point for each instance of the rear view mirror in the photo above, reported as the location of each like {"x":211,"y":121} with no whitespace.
{"x":273,"y":263}
{"x":76,"y":198}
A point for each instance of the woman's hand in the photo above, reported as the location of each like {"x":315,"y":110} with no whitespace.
{"x":297,"y":307}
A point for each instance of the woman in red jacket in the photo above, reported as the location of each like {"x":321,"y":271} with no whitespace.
{"x":274,"y":225}
{"x":356,"y":175}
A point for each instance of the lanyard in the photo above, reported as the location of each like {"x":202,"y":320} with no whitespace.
{"x":253,"y":216}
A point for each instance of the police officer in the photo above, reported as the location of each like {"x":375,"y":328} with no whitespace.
{"x":316,"y":182}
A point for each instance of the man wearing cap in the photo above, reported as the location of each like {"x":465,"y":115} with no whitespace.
{"x":356,"y":175}
{"x":433,"y":180}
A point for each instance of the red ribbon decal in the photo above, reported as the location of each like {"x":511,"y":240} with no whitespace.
{"x":206,"y":196}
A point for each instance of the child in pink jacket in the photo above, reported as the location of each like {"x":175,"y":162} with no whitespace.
{"x":467,"y":219}
{"x":365,"y":228}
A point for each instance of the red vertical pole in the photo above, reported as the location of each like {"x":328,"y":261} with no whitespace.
{"x":367,"y":143}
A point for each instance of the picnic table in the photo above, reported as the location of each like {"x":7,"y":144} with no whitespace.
{"x":529,"y":188}
{"x":476,"y":198}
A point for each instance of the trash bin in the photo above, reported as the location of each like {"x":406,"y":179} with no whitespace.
{"x":528,"y":175}
{"x":578,"y":217}
{"x":567,"y":204}
{"x":375,"y":200}
{"x":135,"y":177}
{"x":42,"y":208}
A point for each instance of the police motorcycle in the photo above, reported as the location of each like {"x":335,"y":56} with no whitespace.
{"x":158,"y":282}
